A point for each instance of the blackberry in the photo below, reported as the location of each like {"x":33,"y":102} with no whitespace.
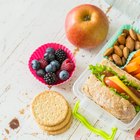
{"x":50,"y":78}
{"x":60,"y":55}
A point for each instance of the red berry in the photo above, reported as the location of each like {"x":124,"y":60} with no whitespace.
{"x":43,"y":63}
{"x":67,"y":65}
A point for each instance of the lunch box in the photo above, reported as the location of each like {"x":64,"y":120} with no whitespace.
{"x":90,"y":106}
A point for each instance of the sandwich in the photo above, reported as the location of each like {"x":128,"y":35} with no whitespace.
{"x":114,"y":90}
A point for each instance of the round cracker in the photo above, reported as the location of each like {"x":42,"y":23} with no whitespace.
{"x":64,"y":129}
{"x":59,"y":126}
{"x":49,"y":108}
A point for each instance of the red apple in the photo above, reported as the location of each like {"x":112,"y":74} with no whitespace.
{"x":137,"y":135}
{"x":86,"y":26}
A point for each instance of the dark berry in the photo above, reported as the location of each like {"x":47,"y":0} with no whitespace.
{"x":56,"y":64}
{"x":49,"y":57}
{"x":50,"y":50}
{"x":50,"y":78}
{"x":50,"y":68}
{"x":35,"y":64}
{"x":43,"y":63}
{"x":63,"y":75}
{"x":60,"y":55}
{"x":40,"y":72}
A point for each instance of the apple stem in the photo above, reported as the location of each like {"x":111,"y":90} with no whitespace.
{"x":86,"y":18}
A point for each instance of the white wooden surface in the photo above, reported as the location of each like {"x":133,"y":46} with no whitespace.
{"x":25,"y":25}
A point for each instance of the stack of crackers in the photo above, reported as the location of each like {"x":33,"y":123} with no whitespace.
{"x":52,"y":112}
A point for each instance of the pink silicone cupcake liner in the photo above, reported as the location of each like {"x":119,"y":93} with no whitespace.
{"x":39,"y":53}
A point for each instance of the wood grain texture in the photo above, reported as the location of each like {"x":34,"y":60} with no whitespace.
{"x":24,"y":26}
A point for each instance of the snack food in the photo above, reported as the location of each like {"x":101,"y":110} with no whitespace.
{"x":60,"y":125}
{"x":52,"y":112}
{"x":133,"y":67}
{"x":48,"y":60}
{"x":114,"y":90}
{"x":127,"y":42}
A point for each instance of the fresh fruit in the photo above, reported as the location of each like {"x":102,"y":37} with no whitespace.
{"x":50,"y":50}
{"x":50,"y":68}
{"x":63,"y":75}
{"x":56,"y":64}
{"x":49,"y":57}
{"x":50,"y":78}
{"x":40,"y":72}
{"x":60,"y":55}
{"x":43,"y":63}
{"x":112,"y":84}
{"x":86,"y":26}
{"x":137,"y":135}
{"x":67,"y":65}
{"x":35,"y":64}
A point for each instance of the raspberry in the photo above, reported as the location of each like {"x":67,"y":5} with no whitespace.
{"x":60,"y":55}
{"x":67,"y":65}
{"x":50,"y":78}
{"x":43,"y":63}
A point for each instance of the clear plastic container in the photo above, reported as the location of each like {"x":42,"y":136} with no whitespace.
{"x":89,"y":105}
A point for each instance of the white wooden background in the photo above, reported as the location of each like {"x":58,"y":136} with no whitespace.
{"x":25,"y":25}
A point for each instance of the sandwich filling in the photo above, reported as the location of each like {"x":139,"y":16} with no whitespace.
{"x":118,"y":84}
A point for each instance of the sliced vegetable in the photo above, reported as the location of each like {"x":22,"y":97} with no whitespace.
{"x":131,"y":67}
{"x":137,"y":60}
{"x":136,"y":71}
{"x":137,"y":76}
{"x":125,"y":88}
{"x":112,"y":84}
{"x":137,"y":108}
{"x":136,"y":54}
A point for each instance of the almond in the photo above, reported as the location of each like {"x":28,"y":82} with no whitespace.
{"x":126,"y":32}
{"x":117,"y":59}
{"x":121,"y":47}
{"x":125,"y":52}
{"x":116,"y":43}
{"x":110,"y":58}
{"x":123,"y":61}
{"x":109,"y":51}
{"x":137,"y":45}
{"x":138,"y":35}
{"x":130,"y":43}
{"x":118,"y":51}
{"x":121,"y":39}
{"x":133,"y":34}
